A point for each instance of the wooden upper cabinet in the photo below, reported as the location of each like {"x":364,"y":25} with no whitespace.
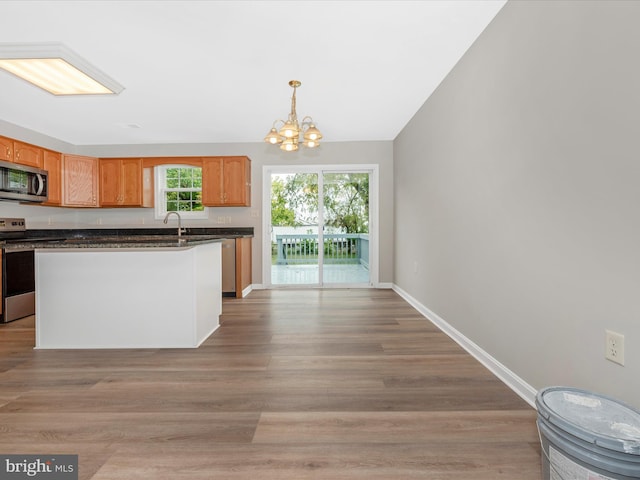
{"x":121,"y":182}
{"x":131,"y":175}
{"x":109,"y":182}
{"x":52,"y":163}
{"x":236,"y":179}
{"x":26,"y":154}
{"x":6,"y":149}
{"x":20,"y":152}
{"x":79,"y":181}
{"x":226,"y":181}
{"x":212,"y":193}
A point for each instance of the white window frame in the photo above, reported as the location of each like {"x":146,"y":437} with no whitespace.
{"x":159,"y":192}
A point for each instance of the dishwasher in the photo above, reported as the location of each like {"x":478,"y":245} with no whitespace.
{"x":229,"y":267}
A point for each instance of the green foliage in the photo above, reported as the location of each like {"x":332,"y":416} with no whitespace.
{"x":184,"y":177}
{"x":281,"y":214}
{"x":184,"y":189}
{"x":346,"y":201}
{"x":294,"y":200}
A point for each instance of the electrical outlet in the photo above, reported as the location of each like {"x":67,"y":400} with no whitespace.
{"x":614,"y":347}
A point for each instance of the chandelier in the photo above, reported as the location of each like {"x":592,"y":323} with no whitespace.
{"x":288,"y":137}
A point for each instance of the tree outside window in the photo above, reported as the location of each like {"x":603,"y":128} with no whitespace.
{"x":179,"y":189}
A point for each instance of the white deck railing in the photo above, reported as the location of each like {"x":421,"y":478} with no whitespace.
{"x":338,"y":248}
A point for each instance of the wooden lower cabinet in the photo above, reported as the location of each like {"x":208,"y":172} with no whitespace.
{"x":236,"y":266}
{"x":120,"y":182}
{"x":79,"y":181}
{"x":243,"y":265}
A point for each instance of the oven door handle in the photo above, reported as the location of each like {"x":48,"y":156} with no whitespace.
{"x":40,"y":184}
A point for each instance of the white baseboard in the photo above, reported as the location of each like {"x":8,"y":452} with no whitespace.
{"x":513,"y":381}
{"x":247,"y":291}
{"x":260,"y":286}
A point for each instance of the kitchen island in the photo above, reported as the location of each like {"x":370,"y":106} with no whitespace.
{"x":133,"y":292}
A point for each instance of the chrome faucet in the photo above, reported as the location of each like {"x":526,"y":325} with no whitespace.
{"x":180,"y":229}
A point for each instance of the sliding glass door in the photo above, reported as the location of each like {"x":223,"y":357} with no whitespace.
{"x":345,"y":204}
{"x":295,"y":229}
{"x":319,"y":227}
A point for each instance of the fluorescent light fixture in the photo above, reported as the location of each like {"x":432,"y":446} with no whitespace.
{"x":56,"y":69}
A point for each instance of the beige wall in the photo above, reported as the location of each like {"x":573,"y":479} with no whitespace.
{"x":518,"y":198}
{"x":379,"y":153}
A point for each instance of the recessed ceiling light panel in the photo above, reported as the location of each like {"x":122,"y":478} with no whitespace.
{"x":56,"y":69}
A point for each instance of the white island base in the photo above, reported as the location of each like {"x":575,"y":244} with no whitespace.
{"x":127,"y":298}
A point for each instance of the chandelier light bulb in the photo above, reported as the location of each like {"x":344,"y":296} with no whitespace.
{"x":273,"y":138}
{"x":289,"y":145}
{"x":289,"y":130}
{"x":312,"y":133}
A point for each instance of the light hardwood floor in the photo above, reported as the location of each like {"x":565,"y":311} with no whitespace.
{"x":296,"y":384}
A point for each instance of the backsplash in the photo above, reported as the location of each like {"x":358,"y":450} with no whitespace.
{"x":42,"y":217}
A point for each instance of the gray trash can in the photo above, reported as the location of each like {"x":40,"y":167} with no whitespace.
{"x":587,"y":436}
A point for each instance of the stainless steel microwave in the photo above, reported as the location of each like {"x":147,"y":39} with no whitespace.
{"x":21,"y":183}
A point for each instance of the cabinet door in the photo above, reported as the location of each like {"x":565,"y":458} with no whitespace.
{"x":121,"y":182}
{"x":26,"y":154}
{"x":109,"y":182}
{"x":212,"y":193}
{"x":131,"y":182}
{"x":79,"y":181}
{"x":52,"y":163}
{"x":6,"y":149}
{"x":236,"y":173}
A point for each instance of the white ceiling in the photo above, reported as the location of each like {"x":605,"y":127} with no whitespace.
{"x":218,"y":71}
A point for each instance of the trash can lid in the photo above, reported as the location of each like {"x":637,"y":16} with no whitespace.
{"x":596,"y":418}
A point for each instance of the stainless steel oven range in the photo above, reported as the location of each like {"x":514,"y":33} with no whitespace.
{"x":18,"y":273}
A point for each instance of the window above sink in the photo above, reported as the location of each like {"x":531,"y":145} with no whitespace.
{"x":179,"y":188}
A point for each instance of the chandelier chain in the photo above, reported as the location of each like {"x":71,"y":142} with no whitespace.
{"x":294,"y":115}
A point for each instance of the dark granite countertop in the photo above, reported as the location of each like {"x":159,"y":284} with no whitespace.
{"x":124,"y":238}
